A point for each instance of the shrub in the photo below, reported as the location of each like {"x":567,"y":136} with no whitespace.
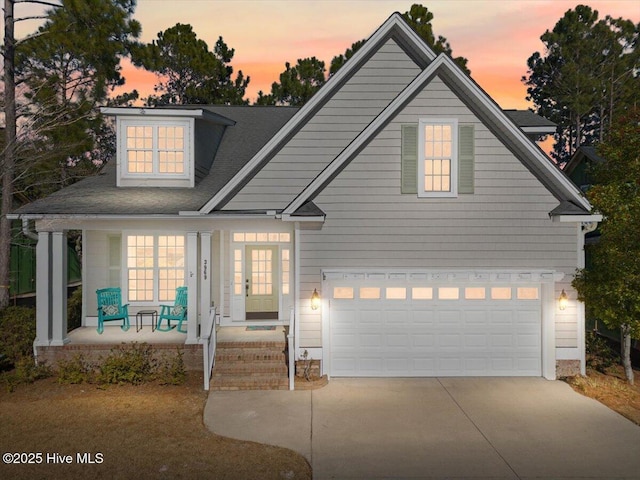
{"x":26,"y":371}
{"x":17,"y":333}
{"x":600,"y":356}
{"x":132,"y":363}
{"x":75,"y":370}
{"x":74,"y":310}
{"x":171,"y":370}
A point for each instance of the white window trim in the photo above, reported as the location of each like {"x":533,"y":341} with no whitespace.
{"x":453,"y":122}
{"x":155,"y":178}
{"x":125,"y":267}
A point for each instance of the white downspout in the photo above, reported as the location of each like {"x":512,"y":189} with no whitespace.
{"x":296,"y":255}
{"x":26,"y":230}
{"x":583,"y":229}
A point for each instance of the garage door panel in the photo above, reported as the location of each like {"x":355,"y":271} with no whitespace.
{"x":435,"y":336}
{"x":370,"y":317}
{"x":398,"y":340}
{"x":422,"y":340}
{"x":371,"y":340}
{"x":475,"y":317}
{"x":478,"y":340}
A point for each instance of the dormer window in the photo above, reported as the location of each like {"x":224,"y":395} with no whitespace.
{"x":165,"y":147}
{"x":155,"y":152}
{"x":156,"y":149}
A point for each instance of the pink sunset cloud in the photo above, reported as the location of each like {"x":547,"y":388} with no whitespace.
{"x":496,"y":36}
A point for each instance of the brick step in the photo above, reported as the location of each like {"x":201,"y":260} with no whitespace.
{"x":249,"y":368}
{"x":274,"y":345}
{"x":249,"y":355}
{"x":248,"y":382}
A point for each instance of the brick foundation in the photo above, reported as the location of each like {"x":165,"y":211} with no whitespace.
{"x":567,"y":368}
{"x":192,"y":354}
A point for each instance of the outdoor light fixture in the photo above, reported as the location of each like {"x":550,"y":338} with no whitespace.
{"x":562,"y":301}
{"x":315,"y":300}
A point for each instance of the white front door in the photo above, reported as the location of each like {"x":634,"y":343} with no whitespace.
{"x":261,"y":282}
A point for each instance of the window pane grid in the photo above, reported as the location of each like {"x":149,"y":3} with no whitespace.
{"x":237,"y":272}
{"x":251,"y":237}
{"x":261,"y":274}
{"x":171,"y":149}
{"x":156,"y":149}
{"x":155,"y":267}
{"x":438,"y":146}
{"x":285,"y":271}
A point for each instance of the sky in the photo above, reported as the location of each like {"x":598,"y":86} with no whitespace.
{"x":496,"y":36}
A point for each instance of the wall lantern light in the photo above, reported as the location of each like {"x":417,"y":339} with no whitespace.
{"x":315,"y":300}
{"x":562,"y":301}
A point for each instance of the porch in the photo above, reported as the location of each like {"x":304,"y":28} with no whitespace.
{"x":246,"y":357}
{"x":87,"y":341}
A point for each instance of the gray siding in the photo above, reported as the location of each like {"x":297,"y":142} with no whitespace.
{"x":343,"y":117}
{"x":99,"y":274}
{"x":370,"y":224}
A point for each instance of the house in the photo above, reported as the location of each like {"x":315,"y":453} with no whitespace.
{"x":434,"y":235}
{"x":577,"y":168}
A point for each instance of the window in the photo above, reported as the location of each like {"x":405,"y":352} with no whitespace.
{"x":286,"y":271}
{"x":155,"y":267}
{"x":422,"y":293}
{"x":500,"y":293}
{"x":396,"y":293}
{"x":448,"y":293}
{"x":345,"y":293}
{"x":155,"y":151}
{"x":251,"y":237}
{"x":438,"y":158}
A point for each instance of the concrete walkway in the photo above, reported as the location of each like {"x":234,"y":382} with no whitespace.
{"x":430,"y":428}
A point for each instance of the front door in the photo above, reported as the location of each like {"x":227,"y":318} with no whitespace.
{"x":261,"y":282}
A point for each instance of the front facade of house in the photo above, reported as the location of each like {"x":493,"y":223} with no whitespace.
{"x":437,"y":234}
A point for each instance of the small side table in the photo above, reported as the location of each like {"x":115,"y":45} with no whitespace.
{"x":140,"y":316}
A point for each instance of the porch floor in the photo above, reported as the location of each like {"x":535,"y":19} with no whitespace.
{"x":113,"y":334}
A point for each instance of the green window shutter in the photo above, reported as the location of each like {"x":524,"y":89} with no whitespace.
{"x":465,"y":159}
{"x":409,"y":159}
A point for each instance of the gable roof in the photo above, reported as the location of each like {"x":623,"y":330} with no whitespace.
{"x":254,"y":134}
{"x":394,"y":28}
{"x":583,"y":153}
{"x":502,"y":124}
{"x":485,"y":108}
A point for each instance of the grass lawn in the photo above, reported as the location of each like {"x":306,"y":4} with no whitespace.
{"x":612,"y":390}
{"x":146,"y":431}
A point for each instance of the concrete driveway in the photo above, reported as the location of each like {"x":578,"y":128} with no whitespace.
{"x":436,"y":428}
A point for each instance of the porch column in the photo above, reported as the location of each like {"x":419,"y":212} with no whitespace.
{"x":192,"y":285}
{"x":205,"y":280}
{"x":548,"y":330}
{"x":43,"y":293}
{"x":59,"y":289}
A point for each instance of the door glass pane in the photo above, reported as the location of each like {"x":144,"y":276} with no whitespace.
{"x":261,"y":272}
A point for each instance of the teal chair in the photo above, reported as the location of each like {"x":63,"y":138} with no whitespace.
{"x":110,"y":308}
{"x":177,"y":311}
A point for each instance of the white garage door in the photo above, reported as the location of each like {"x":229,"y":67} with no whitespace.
{"x":386,"y":329}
